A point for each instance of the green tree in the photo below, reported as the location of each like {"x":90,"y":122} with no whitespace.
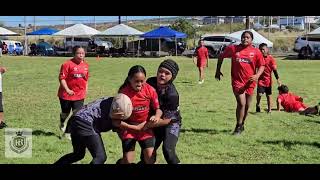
{"x":182,"y":25}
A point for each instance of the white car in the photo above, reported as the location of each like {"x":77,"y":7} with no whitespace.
{"x":307,"y":46}
{"x":215,"y":43}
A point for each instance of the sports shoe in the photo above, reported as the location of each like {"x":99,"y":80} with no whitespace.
{"x":62,"y":127}
{"x":258,"y":109}
{"x":201,"y":82}
{"x":238,"y":130}
{"x":3,"y":125}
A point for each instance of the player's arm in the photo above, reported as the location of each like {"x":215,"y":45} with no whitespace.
{"x":155,"y":105}
{"x":62,"y":78}
{"x":218,"y":69}
{"x":2,"y":69}
{"x":261,"y":65}
{"x":278,"y":104}
{"x":225,"y":54}
{"x":65,"y":86}
{"x":125,"y":126}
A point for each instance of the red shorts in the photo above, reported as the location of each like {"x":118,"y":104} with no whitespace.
{"x":201,"y":63}
{"x":237,"y":90}
{"x":298,"y":106}
{"x":139,"y":136}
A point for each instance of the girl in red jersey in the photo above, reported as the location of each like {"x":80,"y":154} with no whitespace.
{"x":293,"y":103}
{"x":73,"y":78}
{"x":202,"y":60}
{"x":143,"y":97}
{"x":246,"y":67}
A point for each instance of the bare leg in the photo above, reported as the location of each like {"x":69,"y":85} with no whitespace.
{"x":269,"y":101}
{"x":247,"y":106}
{"x":147,"y":153}
{"x":258,"y":102}
{"x":128,"y":157}
{"x":240,"y":111}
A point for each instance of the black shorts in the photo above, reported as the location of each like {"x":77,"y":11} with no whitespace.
{"x":130,"y":144}
{"x":262,"y":90}
{"x":1,"y":104}
{"x":67,"y":105}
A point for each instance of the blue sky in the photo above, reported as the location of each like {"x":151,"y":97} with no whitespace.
{"x":52,"y":20}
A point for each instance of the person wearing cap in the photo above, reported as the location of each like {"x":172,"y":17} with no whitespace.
{"x":167,"y":129}
{"x":86,"y":126}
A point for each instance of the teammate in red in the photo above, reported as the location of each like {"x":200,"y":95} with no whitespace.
{"x":245,"y":61}
{"x":293,"y":103}
{"x":73,"y":78}
{"x":265,"y":80}
{"x":201,"y":53}
{"x":143,"y":97}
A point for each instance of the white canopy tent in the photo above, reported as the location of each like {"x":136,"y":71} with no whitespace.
{"x":257,"y":38}
{"x":77,"y":30}
{"x":7,"y":32}
{"x":314,"y":33}
{"x":122,"y":30}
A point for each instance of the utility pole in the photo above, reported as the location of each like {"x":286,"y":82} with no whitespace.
{"x":25,"y":37}
{"x":247,"y":22}
{"x":119,"y":19}
{"x":34,"y":23}
{"x":94,"y":20}
{"x":64,"y":22}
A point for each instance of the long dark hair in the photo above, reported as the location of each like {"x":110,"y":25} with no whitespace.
{"x":75,"y":49}
{"x":133,"y":70}
{"x":247,"y":32}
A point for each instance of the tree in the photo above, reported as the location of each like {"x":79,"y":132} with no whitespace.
{"x":1,"y":24}
{"x":184,"y":26}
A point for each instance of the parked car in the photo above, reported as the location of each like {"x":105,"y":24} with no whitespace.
{"x":88,"y":43}
{"x":216,"y":43}
{"x":307,"y":46}
{"x":45,"y":49}
{"x":13,"y":47}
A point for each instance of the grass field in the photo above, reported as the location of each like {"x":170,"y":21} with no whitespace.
{"x":208,"y":111}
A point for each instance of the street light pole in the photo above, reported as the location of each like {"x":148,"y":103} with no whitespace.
{"x":25,"y":37}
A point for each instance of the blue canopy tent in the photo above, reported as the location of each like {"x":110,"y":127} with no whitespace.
{"x":44,"y":31}
{"x":164,"y":32}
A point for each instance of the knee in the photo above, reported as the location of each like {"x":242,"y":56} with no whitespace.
{"x":99,"y":159}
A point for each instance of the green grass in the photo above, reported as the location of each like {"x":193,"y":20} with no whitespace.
{"x":208,"y":111}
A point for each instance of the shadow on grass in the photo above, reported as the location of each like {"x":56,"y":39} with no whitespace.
{"x":206,"y":131}
{"x":288,"y":144}
{"x":43,"y":133}
{"x":314,"y":121}
{"x":211,"y":111}
{"x":184,"y":82}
